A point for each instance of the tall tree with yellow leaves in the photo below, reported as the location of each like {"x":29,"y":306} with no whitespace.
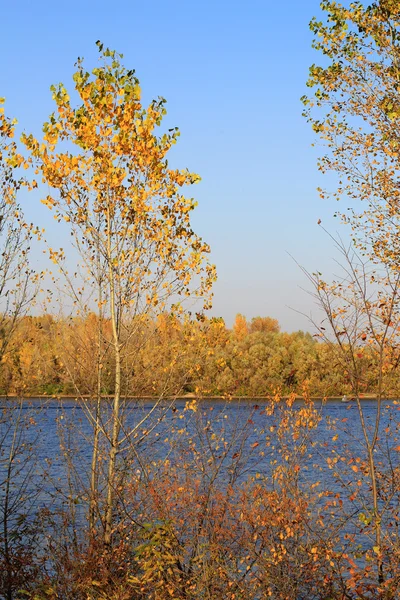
{"x":355,"y":109}
{"x":109,"y":178}
{"x":17,"y":289}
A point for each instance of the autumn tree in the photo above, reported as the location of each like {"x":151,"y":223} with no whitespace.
{"x":18,"y":288}
{"x":112,"y":183}
{"x":17,"y":280}
{"x":264,"y":324}
{"x":355,"y":109}
{"x":240,"y":326}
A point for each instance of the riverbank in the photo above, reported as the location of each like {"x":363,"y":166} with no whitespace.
{"x":185,"y":397}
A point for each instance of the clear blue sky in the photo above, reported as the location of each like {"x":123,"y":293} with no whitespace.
{"x":233,"y":73}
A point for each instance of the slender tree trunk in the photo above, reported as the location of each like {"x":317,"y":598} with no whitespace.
{"x":114,"y":441}
{"x":94,"y":478}
{"x":370,"y":444}
{"x":8,"y":565}
{"x":8,"y":591}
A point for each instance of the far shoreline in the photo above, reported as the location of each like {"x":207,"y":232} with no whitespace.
{"x":185,"y":397}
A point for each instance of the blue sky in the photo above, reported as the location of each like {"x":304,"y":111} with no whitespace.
{"x":233,"y":73}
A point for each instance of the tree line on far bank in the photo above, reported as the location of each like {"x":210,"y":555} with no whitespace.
{"x":49,"y":355}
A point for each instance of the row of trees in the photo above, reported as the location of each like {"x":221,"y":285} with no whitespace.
{"x":54,"y":356}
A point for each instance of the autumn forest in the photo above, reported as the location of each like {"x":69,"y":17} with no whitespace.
{"x":52,"y":356}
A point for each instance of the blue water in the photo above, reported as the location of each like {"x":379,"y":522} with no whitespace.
{"x":231,"y":441}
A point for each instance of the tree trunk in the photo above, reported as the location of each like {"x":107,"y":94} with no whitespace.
{"x":116,"y":426}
